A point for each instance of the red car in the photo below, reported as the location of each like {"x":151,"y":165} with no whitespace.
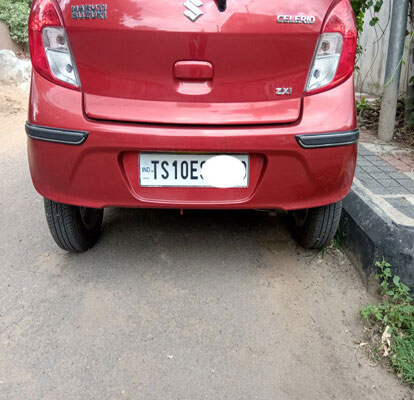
{"x":208,"y":104}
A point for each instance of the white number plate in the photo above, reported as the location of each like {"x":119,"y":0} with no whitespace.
{"x":179,"y":170}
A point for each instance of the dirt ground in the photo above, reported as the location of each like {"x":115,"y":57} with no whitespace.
{"x":208,"y":305}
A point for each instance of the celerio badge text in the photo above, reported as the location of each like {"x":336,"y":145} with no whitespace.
{"x":296,"y":19}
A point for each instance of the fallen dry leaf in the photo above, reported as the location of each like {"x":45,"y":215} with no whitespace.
{"x":385,"y":343}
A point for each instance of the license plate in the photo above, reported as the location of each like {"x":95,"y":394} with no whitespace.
{"x":179,"y":170}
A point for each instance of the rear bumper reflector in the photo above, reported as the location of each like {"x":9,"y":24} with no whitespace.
{"x":55,"y":135}
{"x":328,"y":139}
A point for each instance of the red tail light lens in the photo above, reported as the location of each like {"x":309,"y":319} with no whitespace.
{"x":334,"y":60}
{"x":49,"y":46}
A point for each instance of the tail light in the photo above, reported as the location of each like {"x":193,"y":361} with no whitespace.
{"x":49,"y":45}
{"x":334,"y":59}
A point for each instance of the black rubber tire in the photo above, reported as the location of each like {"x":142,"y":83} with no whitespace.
{"x":318,"y":227}
{"x":68,"y":227}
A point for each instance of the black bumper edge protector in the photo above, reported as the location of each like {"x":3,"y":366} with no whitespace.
{"x":56,"y":135}
{"x":318,"y":140}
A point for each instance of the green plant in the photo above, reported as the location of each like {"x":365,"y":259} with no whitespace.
{"x":15,"y":13}
{"x":361,"y":6}
{"x":392,"y":285}
{"x":397,"y":310}
{"x":362,"y":104}
{"x":340,"y":236}
{"x":395,"y":316}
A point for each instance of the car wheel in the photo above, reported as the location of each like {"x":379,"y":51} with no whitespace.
{"x":314,"y":228}
{"x":73,"y":228}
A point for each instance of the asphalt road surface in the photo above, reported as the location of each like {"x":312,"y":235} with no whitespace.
{"x":208,"y":305}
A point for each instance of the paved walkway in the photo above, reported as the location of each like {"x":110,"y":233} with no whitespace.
{"x":388,"y":179}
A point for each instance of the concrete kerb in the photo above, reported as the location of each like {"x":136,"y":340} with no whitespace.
{"x":378,"y":221}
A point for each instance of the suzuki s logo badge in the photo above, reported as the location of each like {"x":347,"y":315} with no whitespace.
{"x":193,"y":13}
{"x":296,"y":19}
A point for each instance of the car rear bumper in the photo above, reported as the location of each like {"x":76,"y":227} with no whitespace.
{"x":293,"y":166}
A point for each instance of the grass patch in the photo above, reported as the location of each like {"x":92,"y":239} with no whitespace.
{"x":393,"y":319}
{"x":340,"y":236}
{"x":403,"y":358}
